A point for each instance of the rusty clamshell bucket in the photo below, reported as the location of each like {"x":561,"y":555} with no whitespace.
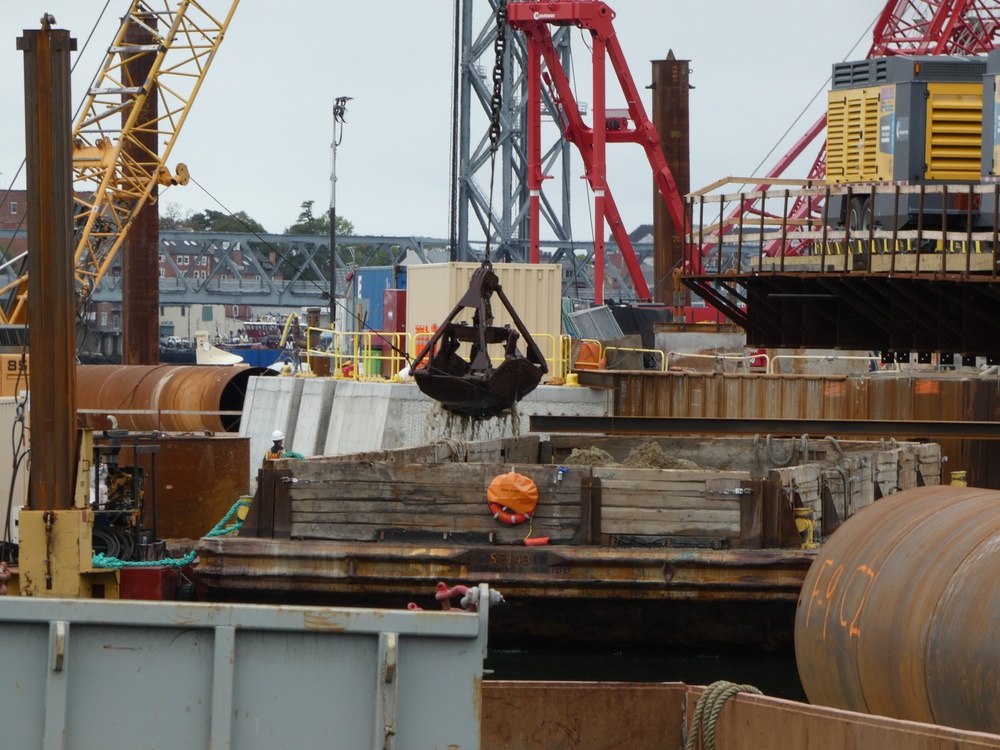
{"x":474,"y":387}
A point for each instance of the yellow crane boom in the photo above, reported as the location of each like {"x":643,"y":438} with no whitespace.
{"x":113,"y":172}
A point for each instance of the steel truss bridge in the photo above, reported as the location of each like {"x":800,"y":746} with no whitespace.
{"x":239,"y":270}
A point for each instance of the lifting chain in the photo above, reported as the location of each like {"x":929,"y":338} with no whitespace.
{"x":496,"y":102}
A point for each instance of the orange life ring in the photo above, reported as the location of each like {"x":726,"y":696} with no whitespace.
{"x":512,"y":498}
{"x":502,"y":514}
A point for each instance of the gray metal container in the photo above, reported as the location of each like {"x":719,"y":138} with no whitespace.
{"x":117,"y":674}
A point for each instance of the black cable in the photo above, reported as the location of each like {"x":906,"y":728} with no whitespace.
{"x":810,"y":102}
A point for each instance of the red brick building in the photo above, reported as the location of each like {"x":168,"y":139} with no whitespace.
{"x":13,"y":215}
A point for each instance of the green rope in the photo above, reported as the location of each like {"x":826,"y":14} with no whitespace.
{"x":707,"y":710}
{"x":100,"y":560}
{"x":221,"y":528}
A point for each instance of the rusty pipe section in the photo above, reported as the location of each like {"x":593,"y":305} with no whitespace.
{"x":898,"y":613}
{"x":171,"y":398}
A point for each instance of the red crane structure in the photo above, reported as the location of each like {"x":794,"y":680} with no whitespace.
{"x":905,"y":27}
{"x":534,"y":20}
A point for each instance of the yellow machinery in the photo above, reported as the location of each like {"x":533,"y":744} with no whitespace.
{"x":113,"y":175}
{"x":907,"y":120}
{"x":113,"y":172}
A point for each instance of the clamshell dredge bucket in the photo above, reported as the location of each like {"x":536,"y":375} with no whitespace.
{"x":474,"y":387}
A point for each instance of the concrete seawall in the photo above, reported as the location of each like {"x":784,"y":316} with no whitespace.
{"x":327,"y":417}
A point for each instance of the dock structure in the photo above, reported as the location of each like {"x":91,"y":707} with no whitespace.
{"x":642,"y":554}
{"x":925,"y":284}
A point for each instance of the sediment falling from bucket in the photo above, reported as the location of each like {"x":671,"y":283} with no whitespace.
{"x":442,"y":424}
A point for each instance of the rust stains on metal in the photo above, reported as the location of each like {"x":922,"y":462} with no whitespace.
{"x":188,"y":506}
{"x":325,"y":568}
{"x":671,"y":118}
{"x":140,"y":259}
{"x":164,"y":397}
{"x":897,"y":615}
{"x":322,"y":621}
{"x":50,"y":279}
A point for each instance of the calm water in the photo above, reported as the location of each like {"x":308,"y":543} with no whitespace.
{"x":773,"y":674}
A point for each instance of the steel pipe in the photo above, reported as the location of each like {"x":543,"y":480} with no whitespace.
{"x":171,"y":398}
{"x":898,"y":613}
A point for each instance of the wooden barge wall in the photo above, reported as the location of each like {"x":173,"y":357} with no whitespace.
{"x":743,"y":496}
{"x":699,"y":557}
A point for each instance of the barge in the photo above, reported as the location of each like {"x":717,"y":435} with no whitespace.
{"x":713,"y":555}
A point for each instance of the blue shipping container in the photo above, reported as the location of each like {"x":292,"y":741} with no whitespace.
{"x":370,"y":284}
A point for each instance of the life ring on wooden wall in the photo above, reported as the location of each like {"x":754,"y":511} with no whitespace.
{"x":512,"y":498}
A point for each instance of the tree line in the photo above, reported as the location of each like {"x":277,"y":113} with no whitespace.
{"x":173,"y":218}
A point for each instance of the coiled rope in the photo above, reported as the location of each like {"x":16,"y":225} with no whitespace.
{"x":100,"y":560}
{"x":707,"y":710}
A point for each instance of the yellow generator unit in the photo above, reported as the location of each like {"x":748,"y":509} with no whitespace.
{"x":909,"y":120}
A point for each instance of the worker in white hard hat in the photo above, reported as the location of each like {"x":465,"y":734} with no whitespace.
{"x":278,"y":449}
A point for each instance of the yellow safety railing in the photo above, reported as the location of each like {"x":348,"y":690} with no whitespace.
{"x":367,"y":355}
{"x":363,"y":355}
{"x":870,"y":358}
{"x":721,"y":358}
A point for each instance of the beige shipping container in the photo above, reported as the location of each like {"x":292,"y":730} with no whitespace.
{"x":534,"y":290}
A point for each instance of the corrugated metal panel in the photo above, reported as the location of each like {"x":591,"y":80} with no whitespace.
{"x":533,"y":289}
{"x":655,"y":394}
{"x":954,"y":131}
{"x":853,"y":136}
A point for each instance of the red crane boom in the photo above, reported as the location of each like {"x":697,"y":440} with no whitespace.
{"x":534,"y":20}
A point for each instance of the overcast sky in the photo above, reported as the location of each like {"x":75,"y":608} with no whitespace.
{"x":258,"y":136}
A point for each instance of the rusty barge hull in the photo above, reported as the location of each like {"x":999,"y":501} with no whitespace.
{"x":710,"y":554}
{"x":555,"y":596}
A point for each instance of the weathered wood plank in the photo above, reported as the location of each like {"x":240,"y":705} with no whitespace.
{"x":622,"y":499}
{"x":670,"y":515}
{"x":307,"y":472}
{"x":668,"y":529}
{"x":653,"y":485}
{"x":522,"y":450}
{"x":481,"y":522}
{"x":607,"y":474}
{"x":751,"y":506}
{"x":504,"y":535}
{"x":362,"y":512}
{"x":347,"y":501}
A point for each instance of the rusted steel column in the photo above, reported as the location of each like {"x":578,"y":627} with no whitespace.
{"x":140,"y":259}
{"x":51,"y":336}
{"x":671,"y":119}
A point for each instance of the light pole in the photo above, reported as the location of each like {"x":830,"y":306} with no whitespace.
{"x":339,"y":110}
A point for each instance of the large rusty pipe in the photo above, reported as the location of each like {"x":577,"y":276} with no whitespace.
{"x":898,"y":614}
{"x":170,"y":398}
